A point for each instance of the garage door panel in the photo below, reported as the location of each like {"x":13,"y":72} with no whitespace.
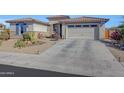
{"x":81,"y":33}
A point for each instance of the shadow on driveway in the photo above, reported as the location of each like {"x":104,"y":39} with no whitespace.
{"x":13,"y":71}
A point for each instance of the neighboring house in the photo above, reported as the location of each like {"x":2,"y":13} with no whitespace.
{"x":83,"y":27}
{"x":19,"y":26}
{"x":2,"y":27}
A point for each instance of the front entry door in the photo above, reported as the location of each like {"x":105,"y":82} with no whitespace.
{"x":23,"y":28}
{"x":58,"y":29}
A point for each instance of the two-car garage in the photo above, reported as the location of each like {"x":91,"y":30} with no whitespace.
{"x":83,"y":31}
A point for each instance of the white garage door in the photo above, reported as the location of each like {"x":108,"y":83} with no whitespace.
{"x":86,"y":33}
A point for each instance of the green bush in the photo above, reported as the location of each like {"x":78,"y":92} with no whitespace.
{"x":20,"y":44}
{"x":29,"y":36}
{"x":122,"y":31}
{"x":7,"y":31}
{"x":4,"y":36}
{"x":32,"y":36}
{"x":26,"y":36}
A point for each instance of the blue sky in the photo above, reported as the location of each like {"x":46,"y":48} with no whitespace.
{"x":114,"y":19}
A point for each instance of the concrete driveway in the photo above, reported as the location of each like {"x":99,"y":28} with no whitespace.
{"x":73,"y":56}
{"x":14,"y":71}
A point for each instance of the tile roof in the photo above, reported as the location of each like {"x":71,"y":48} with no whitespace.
{"x":27,"y":20}
{"x":84,"y":20}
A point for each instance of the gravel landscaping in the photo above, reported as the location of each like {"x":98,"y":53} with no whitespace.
{"x":45,"y":43}
{"x":119,"y":54}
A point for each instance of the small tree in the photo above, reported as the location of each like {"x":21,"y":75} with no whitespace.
{"x":117,"y":35}
{"x":121,"y":27}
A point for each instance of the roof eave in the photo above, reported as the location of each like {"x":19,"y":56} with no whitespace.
{"x":47,"y":24}
{"x":81,"y":22}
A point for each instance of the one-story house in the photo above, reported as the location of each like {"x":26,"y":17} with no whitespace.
{"x":19,"y":26}
{"x":83,"y":27}
{"x":64,"y":26}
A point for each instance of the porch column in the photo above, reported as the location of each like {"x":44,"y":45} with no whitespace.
{"x":51,"y":27}
{"x":97,"y":32}
{"x":64,"y":31}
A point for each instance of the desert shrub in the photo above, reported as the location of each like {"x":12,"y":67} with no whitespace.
{"x":55,"y":36}
{"x":4,"y":35}
{"x":48,"y":35}
{"x":29,"y":36}
{"x":28,"y":43}
{"x":40,"y":35}
{"x":26,"y":36}
{"x":122,"y":31}
{"x":34,"y":41}
{"x":7,"y":31}
{"x":20,"y":44}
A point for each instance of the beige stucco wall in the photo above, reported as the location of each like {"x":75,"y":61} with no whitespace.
{"x":30,"y":27}
{"x":53,"y":22}
{"x":40,"y":28}
{"x":13,"y":27}
{"x":51,"y":25}
{"x":64,"y":30}
{"x":102,"y":32}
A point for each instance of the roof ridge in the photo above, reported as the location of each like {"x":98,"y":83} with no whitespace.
{"x":92,"y":17}
{"x":57,"y":16}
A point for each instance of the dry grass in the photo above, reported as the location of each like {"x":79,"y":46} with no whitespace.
{"x":8,"y":46}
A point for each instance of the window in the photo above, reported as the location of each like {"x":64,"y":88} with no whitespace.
{"x":93,"y":25}
{"x":85,"y":25}
{"x":77,"y":25}
{"x":70,"y":26}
